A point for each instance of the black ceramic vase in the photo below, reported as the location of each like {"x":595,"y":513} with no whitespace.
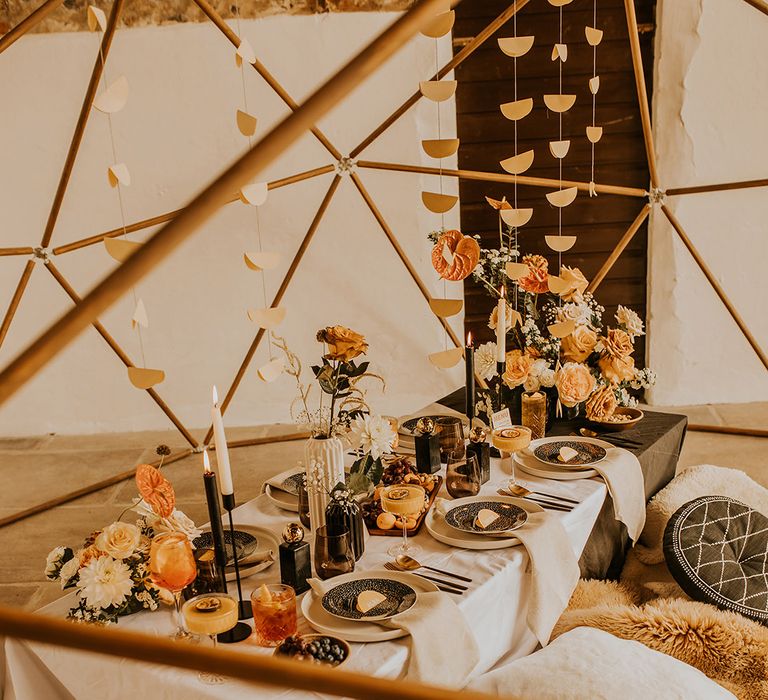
{"x":347,"y":517}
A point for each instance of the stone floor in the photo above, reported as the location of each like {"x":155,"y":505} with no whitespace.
{"x":40,"y":468}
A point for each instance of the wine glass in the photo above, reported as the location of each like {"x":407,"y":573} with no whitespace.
{"x":333,"y":554}
{"x":462,"y":475}
{"x":172,"y":566}
{"x":451,"y":434}
{"x":403,"y":501}
{"x":508,"y":441}
{"x":210,"y":614}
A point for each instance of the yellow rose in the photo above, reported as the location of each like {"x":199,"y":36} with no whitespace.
{"x":578,"y":346}
{"x":617,"y":369}
{"x":577,"y":283}
{"x":618,"y":343}
{"x":601,"y":404}
{"x":574,"y":383}
{"x":343,"y":343}
{"x":119,"y":540}
{"x":518,"y":366}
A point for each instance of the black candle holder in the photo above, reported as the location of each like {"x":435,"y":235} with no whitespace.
{"x":245,"y":612}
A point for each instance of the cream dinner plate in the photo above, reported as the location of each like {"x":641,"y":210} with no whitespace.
{"x":443,"y":532}
{"x":282,"y":499}
{"x":357,"y":630}
{"x":530,"y":465}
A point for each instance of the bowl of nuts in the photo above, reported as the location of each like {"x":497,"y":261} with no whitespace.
{"x":315,"y":648}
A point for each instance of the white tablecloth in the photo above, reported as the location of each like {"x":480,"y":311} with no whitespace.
{"x":495,"y":607}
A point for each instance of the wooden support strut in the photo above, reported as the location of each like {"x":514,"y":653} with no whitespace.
{"x":408,"y":264}
{"x":642,"y":94}
{"x":728,"y":430}
{"x":455,"y":62}
{"x":85,"y":490}
{"x":162,"y":218}
{"x":129,"y":474}
{"x":82,"y":120}
{"x":73,"y":295}
{"x":225,"y":29}
{"x":277,"y":298}
{"x":503,"y":177}
{"x":207,"y":202}
{"x":698,"y":189}
{"x":619,"y":249}
{"x":259,"y":669}
{"x":16,"y":300}
{"x":27,"y":23}
{"x":760,"y":5}
{"x":21,"y":250}
{"x":716,"y":285}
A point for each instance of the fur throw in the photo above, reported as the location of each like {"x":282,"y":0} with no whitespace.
{"x":703,"y":480}
{"x":727,"y":647}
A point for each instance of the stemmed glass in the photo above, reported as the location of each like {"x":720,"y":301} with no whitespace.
{"x":210,"y":614}
{"x":508,"y":441}
{"x":403,"y":500}
{"x":462,"y":475}
{"x":172,"y":566}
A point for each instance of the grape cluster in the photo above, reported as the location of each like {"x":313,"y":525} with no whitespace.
{"x":322,"y":650}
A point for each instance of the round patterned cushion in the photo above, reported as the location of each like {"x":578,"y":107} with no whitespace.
{"x":717,"y":550}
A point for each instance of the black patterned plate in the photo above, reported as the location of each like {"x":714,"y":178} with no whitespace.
{"x":292,"y":483}
{"x":587,"y":453}
{"x":463,"y":517}
{"x":245,"y":544}
{"x":341,"y":600}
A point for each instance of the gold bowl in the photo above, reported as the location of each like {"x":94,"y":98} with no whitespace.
{"x":635,"y":416}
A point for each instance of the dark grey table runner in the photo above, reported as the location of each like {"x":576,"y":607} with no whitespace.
{"x":661,"y":438}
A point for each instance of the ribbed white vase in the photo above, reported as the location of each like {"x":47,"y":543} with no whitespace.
{"x":324,"y":460}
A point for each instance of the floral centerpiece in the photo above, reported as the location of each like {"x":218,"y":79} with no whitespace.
{"x":341,"y":406}
{"x":557,"y":339}
{"x":110,"y":571}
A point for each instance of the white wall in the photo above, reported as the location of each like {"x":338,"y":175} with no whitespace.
{"x":176,"y":133}
{"x":710,"y":106}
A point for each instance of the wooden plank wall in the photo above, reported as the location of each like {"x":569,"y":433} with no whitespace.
{"x":486,"y":80}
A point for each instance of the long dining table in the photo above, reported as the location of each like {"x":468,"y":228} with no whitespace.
{"x":495,"y":604}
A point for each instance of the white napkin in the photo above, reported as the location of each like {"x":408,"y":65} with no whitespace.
{"x":443,"y":649}
{"x":276,"y":481}
{"x":624,"y":477}
{"x":554,"y":571}
{"x":438,"y":631}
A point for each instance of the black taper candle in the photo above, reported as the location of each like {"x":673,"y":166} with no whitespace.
{"x":469,"y":358}
{"x":217,"y":529}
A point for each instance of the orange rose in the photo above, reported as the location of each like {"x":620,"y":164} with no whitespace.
{"x":578,"y":346}
{"x":577,"y":283}
{"x":601,"y":404}
{"x":617,"y":369}
{"x":517,"y":369}
{"x":343,"y":343}
{"x":535,"y":281}
{"x":574,"y":383}
{"x":617,"y":343}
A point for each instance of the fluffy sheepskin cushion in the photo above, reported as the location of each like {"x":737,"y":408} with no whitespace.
{"x":588,"y":663}
{"x":704,"y":480}
{"x":717,"y":550}
{"x":726,"y":646}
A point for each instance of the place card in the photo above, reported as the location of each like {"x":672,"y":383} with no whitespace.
{"x":501,"y":419}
